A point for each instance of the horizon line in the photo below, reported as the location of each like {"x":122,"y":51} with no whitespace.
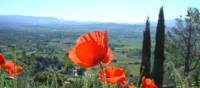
{"x":84,"y":21}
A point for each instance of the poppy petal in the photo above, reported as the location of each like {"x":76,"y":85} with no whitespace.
{"x":2,"y":59}
{"x":116,"y":75}
{"x":18,"y":69}
{"x":72,"y":56}
{"x":97,"y":36}
{"x":91,"y":48}
{"x":148,"y":83}
{"x":15,"y":70}
{"x":88,"y":53}
{"x":108,"y":58}
{"x":113,"y":75}
{"x":7,"y":65}
{"x":117,"y":79}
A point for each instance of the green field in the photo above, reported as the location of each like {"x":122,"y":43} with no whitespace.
{"x":56,"y":43}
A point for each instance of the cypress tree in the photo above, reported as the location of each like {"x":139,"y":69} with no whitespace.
{"x":146,"y":51}
{"x":158,"y":68}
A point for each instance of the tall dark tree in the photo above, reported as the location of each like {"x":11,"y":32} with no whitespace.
{"x":158,"y":68}
{"x":146,"y":51}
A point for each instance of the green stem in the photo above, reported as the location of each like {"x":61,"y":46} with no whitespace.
{"x":48,"y":81}
{"x":13,"y":49}
{"x":103,"y":74}
{"x":55,"y":78}
{"x":2,"y":79}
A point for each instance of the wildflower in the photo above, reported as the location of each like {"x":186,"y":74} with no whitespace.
{"x":11,"y":68}
{"x":148,"y":83}
{"x":2,"y":59}
{"x":112,"y":74}
{"x":15,"y":70}
{"x":91,"y":49}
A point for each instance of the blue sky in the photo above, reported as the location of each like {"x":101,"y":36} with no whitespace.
{"x":121,"y":11}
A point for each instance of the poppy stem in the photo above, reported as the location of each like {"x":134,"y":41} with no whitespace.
{"x":14,"y":56}
{"x":104,"y":77}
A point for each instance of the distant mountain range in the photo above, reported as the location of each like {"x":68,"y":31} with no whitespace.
{"x":19,"y":20}
{"x":30,"y":20}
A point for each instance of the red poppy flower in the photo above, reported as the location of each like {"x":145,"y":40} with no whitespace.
{"x":91,"y":49}
{"x":112,"y":74}
{"x":2,"y":59}
{"x":8,"y":64}
{"x":148,"y":83}
{"x":15,"y":70}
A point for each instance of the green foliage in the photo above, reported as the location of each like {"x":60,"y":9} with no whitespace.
{"x":23,"y":56}
{"x":50,"y":78}
{"x":32,"y":60}
{"x":183,"y":41}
